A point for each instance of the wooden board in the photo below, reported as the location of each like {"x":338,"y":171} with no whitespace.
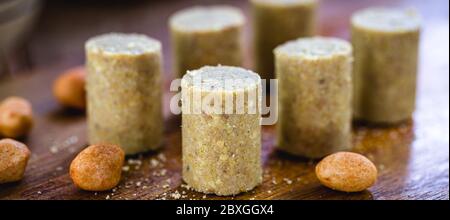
{"x":412,"y":157}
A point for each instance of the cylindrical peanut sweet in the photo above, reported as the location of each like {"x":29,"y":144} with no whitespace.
{"x":315,"y":94}
{"x":124,"y":91}
{"x":386,"y":44}
{"x":276,"y":22}
{"x":221,"y":131}
{"x":209,"y":35}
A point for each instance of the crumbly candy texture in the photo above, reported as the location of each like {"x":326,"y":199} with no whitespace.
{"x":13,"y":160}
{"x":386,"y":48}
{"x":98,"y":167}
{"x":206,"y":18}
{"x":387,"y":20}
{"x":283,"y":3}
{"x":16,"y":117}
{"x":69,"y":88}
{"x":208,"y":35}
{"x":347,"y":172}
{"x":124,"y":91}
{"x":221,"y":152}
{"x":315,"y":93}
{"x":276,"y":22}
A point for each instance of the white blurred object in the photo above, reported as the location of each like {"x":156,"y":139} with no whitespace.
{"x":16,"y":19}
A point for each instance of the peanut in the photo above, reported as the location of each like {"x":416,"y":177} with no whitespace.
{"x":13,"y":160}
{"x":16,"y":117}
{"x":98,"y":167}
{"x":347,"y":172}
{"x":69,"y":88}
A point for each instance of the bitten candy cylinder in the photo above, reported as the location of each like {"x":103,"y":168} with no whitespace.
{"x":386,"y":44}
{"x":207,"y":35}
{"x":124,"y":91}
{"x":276,"y":22}
{"x":315,"y":92}
{"x":221,"y":139}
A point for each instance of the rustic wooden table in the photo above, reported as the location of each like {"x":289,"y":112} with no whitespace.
{"x":413,"y":158}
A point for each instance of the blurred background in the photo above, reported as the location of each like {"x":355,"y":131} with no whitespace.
{"x":49,"y":35}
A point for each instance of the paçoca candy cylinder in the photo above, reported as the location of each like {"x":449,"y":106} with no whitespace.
{"x":315,"y":94}
{"x":386,"y":47}
{"x":221,"y":146}
{"x":206,"y":35}
{"x":275,"y":22}
{"x":124,"y":91}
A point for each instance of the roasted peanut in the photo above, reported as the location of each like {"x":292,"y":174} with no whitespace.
{"x":98,"y":167}
{"x":13,"y":160}
{"x":69,"y":89}
{"x":16,"y":117}
{"x":347,"y":172}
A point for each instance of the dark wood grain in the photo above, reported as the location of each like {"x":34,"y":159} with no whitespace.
{"x":412,"y":157}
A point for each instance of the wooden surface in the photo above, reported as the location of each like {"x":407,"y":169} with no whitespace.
{"x":412,"y":157}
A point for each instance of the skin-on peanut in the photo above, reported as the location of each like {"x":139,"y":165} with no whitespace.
{"x":16,"y":117}
{"x":13,"y":160}
{"x":69,"y":88}
{"x":98,"y":167}
{"x":347,"y":172}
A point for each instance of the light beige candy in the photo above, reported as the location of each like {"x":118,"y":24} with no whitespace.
{"x":386,"y":46}
{"x":315,"y":93}
{"x":124,"y":91}
{"x":206,"y":35}
{"x":276,"y":22}
{"x":13,"y":160}
{"x":221,"y":149}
